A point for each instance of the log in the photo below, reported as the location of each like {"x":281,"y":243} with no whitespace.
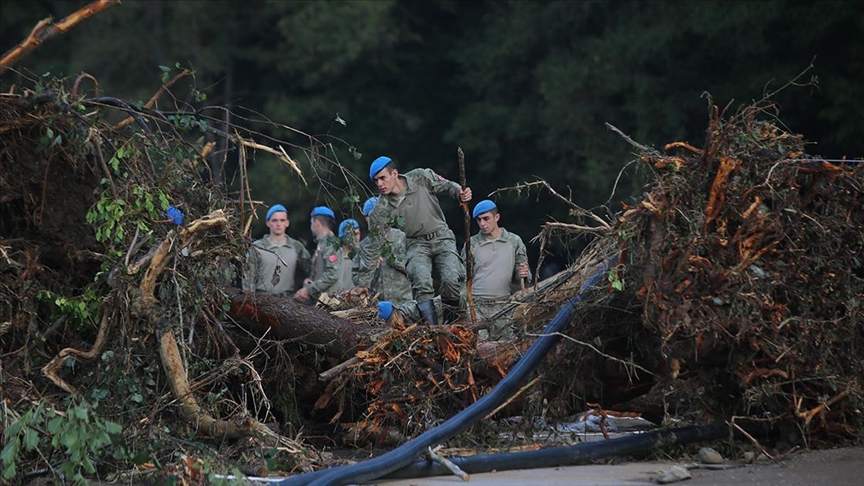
{"x":286,"y":319}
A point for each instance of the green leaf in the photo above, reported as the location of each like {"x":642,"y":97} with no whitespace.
{"x":113,"y":428}
{"x":10,"y":471}
{"x":31,"y":439}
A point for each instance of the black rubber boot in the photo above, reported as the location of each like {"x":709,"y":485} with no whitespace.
{"x":427,"y":312}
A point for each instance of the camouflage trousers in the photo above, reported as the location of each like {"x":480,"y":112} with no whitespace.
{"x":499,"y":315}
{"x":439,"y":251}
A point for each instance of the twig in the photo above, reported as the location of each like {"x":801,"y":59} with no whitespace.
{"x":453,"y":468}
{"x":329,"y":374}
{"x":578,"y":210}
{"x":155,"y":97}
{"x":652,"y":151}
{"x":601,"y":353}
{"x":510,"y":400}
{"x":752,"y":439}
{"x":97,"y":148}
{"x":46,"y":29}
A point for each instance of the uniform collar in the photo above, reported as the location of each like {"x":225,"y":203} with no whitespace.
{"x":483,"y":239}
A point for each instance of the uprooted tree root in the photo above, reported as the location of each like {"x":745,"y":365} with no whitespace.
{"x":156,"y":288}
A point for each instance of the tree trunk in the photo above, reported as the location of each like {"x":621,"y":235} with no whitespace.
{"x":280,"y":318}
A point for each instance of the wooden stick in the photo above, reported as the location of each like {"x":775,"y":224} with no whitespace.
{"x":449,"y":465}
{"x":46,"y":29}
{"x":329,"y":374}
{"x":469,"y":259}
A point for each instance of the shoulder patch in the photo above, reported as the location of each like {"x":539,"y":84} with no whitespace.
{"x":440,"y":178}
{"x":332,"y":258}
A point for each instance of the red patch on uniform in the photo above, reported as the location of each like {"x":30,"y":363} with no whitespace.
{"x":332,"y":258}
{"x":440,"y":178}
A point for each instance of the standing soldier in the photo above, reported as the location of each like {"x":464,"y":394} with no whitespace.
{"x":500,"y":264}
{"x":326,"y":262}
{"x":390,"y":280}
{"x":272,"y":261}
{"x":349,"y":237}
{"x":410,"y":203}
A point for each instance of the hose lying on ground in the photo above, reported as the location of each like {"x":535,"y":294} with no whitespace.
{"x":409,"y":452}
{"x":564,"y":456}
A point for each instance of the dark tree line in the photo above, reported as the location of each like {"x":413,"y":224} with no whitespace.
{"x":525,"y":88}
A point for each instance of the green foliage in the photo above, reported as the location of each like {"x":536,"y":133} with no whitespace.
{"x":615,"y":281}
{"x":111,"y":216}
{"x":71,"y":440}
{"x":79,"y":310}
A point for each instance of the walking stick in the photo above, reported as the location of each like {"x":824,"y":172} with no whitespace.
{"x":469,"y":259}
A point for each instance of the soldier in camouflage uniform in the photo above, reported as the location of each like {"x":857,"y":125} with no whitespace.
{"x":390,"y":280}
{"x":273,"y":260}
{"x":326,"y":262}
{"x":410,"y":202}
{"x":500,"y":264}
{"x":349,"y":236}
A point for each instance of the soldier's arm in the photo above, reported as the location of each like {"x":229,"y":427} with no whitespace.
{"x":371,"y":251}
{"x":250,"y":270}
{"x":332,"y":271}
{"x":437,"y":184}
{"x":521,"y":257}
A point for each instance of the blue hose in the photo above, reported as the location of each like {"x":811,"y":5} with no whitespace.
{"x":407,"y":453}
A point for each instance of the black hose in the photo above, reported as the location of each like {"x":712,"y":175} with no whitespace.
{"x":564,"y":456}
{"x":410,"y":451}
{"x":116,"y":102}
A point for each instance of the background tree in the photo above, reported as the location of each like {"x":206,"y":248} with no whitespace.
{"x":525,"y":88}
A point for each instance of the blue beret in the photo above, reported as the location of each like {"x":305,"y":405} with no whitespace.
{"x":369,"y":205}
{"x":343,"y":227}
{"x":323,"y":211}
{"x":377,"y":165}
{"x":385,"y":310}
{"x":483,"y":206}
{"x":275,"y":209}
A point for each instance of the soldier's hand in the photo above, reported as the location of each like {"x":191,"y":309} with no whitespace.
{"x":523,"y":270}
{"x":302,"y":295}
{"x":465,"y":194}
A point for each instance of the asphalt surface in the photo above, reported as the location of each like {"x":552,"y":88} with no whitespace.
{"x":834,"y":467}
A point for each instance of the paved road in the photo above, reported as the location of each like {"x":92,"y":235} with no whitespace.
{"x":834,"y":467}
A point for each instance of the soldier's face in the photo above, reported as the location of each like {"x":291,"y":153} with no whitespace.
{"x":278,"y":223}
{"x":386,"y":180}
{"x":488,"y":222}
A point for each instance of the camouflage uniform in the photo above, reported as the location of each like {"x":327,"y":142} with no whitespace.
{"x":411,"y":313}
{"x":496,"y":276}
{"x":346,"y":277}
{"x":393,"y":283}
{"x":326,"y":267}
{"x":428,"y":239}
{"x":270,"y":268}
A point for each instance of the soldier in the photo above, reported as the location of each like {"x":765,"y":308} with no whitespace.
{"x":410,"y":202}
{"x":391,"y":280}
{"x":349,"y":236}
{"x":326,"y":262}
{"x":272,"y":261}
{"x":500,"y":264}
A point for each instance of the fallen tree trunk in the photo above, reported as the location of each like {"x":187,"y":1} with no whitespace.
{"x":283,"y":319}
